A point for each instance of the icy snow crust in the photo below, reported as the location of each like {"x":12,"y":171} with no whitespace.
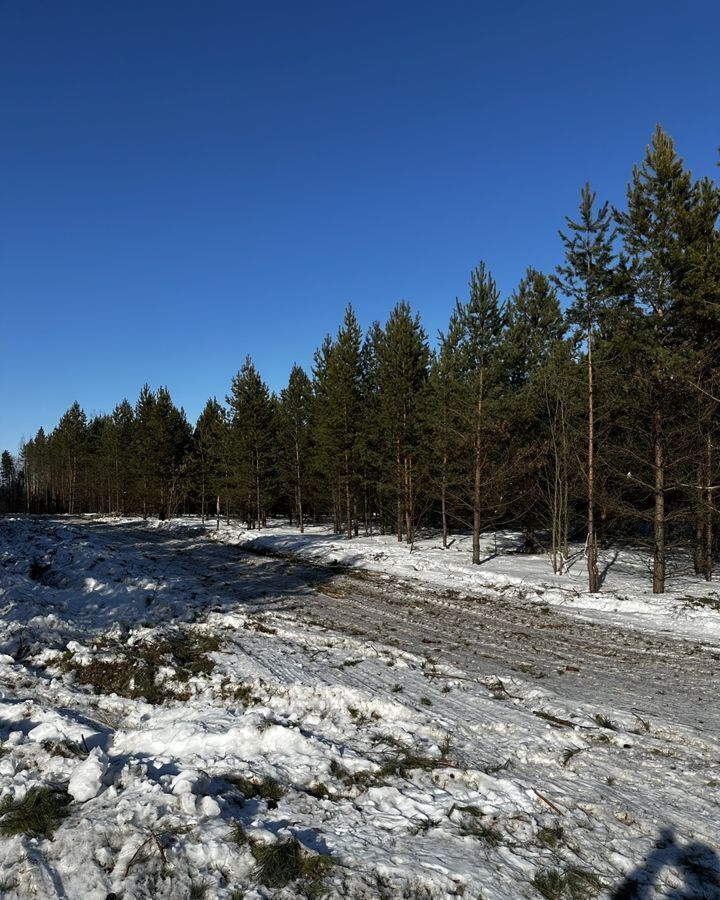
{"x":439,"y":730}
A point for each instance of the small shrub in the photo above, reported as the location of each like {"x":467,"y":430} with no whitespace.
{"x":38,"y":814}
{"x":425,"y":701}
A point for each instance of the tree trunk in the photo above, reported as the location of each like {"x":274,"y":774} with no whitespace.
{"x":258,"y":504}
{"x":592,"y":567}
{"x":348,"y":498}
{"x":298,"y":488}
{"x":708,"y":508}
{"x":659,"y":514}
{"x":399,"y":490}
{"x":477,"y":476}
{"x":409,"y":506}
{"x":443,"y":502}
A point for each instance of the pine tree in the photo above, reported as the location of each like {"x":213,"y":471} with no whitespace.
{"x":653,"y":228}
{"x":294,"y":432}
{"x":338,"y":385}
{"x":69,"y":445}
{"x":444,"y":426}
{"x":251,"y":411}
{"x":210,"y":449}
{"x":480,"y":323}
{"x":402,"y":369}
{"x":586,"y":278}
{"x":535,"y":327}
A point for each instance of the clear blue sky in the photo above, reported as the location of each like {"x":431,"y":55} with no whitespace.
{"x":183,"y":183}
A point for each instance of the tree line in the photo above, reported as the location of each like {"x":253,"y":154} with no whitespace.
{"x":583,"y":406}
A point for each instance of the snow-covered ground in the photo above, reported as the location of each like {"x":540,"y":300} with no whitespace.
{"x":400,"y":725}
{"x":689,"y":608}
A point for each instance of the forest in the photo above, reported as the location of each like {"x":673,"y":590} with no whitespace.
{"x":582,"y":407}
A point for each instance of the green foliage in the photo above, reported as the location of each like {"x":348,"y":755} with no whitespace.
{"x":251,"y":441}
{"x":133,"y":670}
{"x":569,"y":884}
{"x":264,"y":789}
{"x":550,"y":836}
{"x":286,"y":861}
{"x":38,"y":814}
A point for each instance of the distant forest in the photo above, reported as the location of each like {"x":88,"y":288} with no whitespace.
{"x":594,"y":419}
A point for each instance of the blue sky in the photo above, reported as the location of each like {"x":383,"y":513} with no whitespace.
{"x":184,"y":183}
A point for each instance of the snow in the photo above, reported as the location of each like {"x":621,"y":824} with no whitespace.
{"x":436,"y":729}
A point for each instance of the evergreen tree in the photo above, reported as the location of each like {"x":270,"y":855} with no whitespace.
{"x":294,"y":432}
{"x":338,"y":385}
{"x":654,"y":231}
{"x":251,"y":411}
{"x":445,"y":385}
{"x":402,"y":369}
{"x":210,"y":451}
{"x":480,"y":323}
{"x":68,"y":446}
{"x":586,"y":278}
{"x":535,"y":328}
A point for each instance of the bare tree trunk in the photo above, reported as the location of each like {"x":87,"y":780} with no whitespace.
{"x":348,"y":498}
{"x":298,"y":488}
{"x":443,"y":502}
{"x":592,"y":567}
{"x":699,"y":561}
{"x":477,"y":476}
{"x":399,"y":490}
{"x":258,"y":504}
{"x":708,"y":508}
{"x":409,"y":512}
{"x":217,"y":513}
{"x":659,"y":514}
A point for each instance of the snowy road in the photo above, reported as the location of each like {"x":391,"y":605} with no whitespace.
{"x":432,"y":744}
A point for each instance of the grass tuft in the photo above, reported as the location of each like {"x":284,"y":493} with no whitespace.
{"x":279,"y":864}
{"x":263,"y":789}
{"x":604,"y":722}
{"x":570,"y":884}
{"x":471,"y":826}
{"x":238,"y":834}
{"x":550,"y":836}
{"x":133,"y":673}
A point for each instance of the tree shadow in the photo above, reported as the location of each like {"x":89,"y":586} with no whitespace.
{"x":697,"y":864}
{"x":606,"y":567}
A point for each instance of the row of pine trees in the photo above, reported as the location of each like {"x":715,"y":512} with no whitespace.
{"x":594,"y":420}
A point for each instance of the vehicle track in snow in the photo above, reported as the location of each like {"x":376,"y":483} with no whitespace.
{"x":482,"y":636}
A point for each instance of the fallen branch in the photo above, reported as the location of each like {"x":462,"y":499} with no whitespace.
{"x":549,"y":803}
